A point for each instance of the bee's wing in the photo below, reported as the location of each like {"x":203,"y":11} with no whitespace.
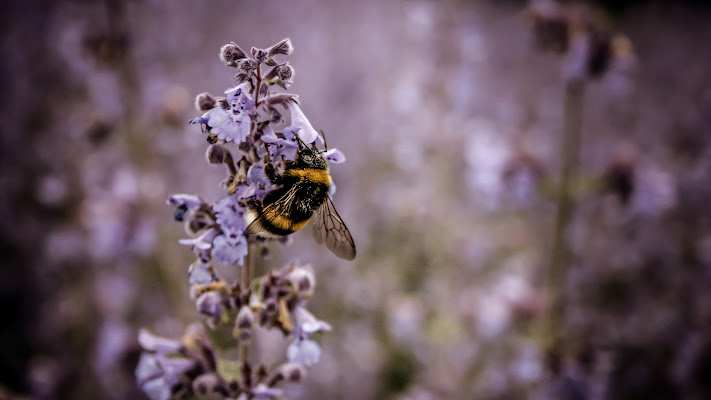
{"x":270,"y":213}
{"x":330,"y":229}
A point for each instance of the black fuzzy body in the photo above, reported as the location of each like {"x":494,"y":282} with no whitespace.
{"x":301,"y":190}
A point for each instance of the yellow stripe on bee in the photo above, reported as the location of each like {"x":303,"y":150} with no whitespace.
{"x":311,"y":174}
{"x":281,"y":222}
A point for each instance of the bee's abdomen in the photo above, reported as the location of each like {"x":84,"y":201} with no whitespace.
{"x":284,"y":220}
{"x":281,"y":226}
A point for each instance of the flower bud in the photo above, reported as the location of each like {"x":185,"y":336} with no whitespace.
{"x":194,"y":225}
{"x":208,"y":386}
{"x":179,"y":213}
{"x":292,"y":372}
{"x":216,"y":154}
{"x":303,"y":280}
{"x":204,"y":101}
{"x":231,"y":53}
{"x":223,"y":103}
{"x":247,"y":65}
{"x":243,"y":324}
{"x":270,"y":306}
{"x":285,"y":72}
{"x":245,"y":318}
{"x":259,"y":55}
{"x":210,"y":303}
{"x":241,"y":77}
{"x":283,"y":47}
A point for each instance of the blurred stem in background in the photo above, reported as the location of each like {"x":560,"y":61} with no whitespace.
{"x":561,"y":254}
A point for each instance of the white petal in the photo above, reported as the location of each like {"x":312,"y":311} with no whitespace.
{"x":309,"y":323}
{"x":306,"y":131}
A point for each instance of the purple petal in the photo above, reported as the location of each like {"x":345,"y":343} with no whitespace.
{"x":148,"y":368}
{"x":188,"y":200}
{"x":309,"y":323}
{"x":239,"y":98}
{"x":306,"y":131}
{"x":161,"y":345}
{"x":305,"y":352}
{"x":230,"y":251}
{"x":228,"y":126}
{"x":335,"y":156}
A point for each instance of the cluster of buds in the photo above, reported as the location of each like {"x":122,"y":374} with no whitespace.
{"x":171,"y":369}
{"x":276,"y":300}
{"x":189,"y":369}
{"x":578,"y":33}
{"x":262,"y":126}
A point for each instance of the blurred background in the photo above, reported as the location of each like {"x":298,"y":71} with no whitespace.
{"x":450,"y":119}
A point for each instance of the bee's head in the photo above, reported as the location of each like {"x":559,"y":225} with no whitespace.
{"x":309,"y":157}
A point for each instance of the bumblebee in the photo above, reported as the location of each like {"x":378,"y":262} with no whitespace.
{"x":302,"y":191}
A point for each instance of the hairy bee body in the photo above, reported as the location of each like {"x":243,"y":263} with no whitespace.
{"x":306,"y":190}
{"x":302,"y":191}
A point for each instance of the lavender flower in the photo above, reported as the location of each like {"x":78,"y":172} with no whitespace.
{"x":301,"y":125}
{"x":230,"y":250}
{"x":303,"y":351}
{"x":308,"y":323}
{"x":164,"y":371}
{"x":248,"y":121}
{"x":226,"y":124}
{"x":334,"y":155}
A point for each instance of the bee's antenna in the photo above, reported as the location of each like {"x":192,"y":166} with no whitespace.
{"x":299,"y":141}
{"x":323,"y":136}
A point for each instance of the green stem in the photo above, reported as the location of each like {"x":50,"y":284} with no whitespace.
{"x":560,"y":258}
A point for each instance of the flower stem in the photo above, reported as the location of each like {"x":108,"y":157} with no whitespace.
{"x":258,"y":76}
{"x":245,"y":283}
{"x":560,"y":257}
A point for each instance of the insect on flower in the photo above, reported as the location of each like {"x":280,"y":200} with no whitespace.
{"x":302,"y":191}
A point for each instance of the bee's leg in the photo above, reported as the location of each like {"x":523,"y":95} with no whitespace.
{"x":271,"y":174}
{"x":253,"y":204}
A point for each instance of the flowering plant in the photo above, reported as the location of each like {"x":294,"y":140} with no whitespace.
{"x":248,"y":121}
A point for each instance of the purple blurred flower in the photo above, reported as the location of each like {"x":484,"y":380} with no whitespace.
{"x":303,"y":351}
{"x":230,"y":250}
{"x":230,"y":213}
{"x":156,"y":389}
{"x":302,"y":279}
{"x":308,"y":323}
{"x":160,"y":345}
{"x":158,"y":375}
{"x":201,"y":273}
{"x":264,"y":392}
{"x":189,"y":201}
{"x":148,"y":368}
{"x":210,"y":304}
{"x":202,"y":242}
